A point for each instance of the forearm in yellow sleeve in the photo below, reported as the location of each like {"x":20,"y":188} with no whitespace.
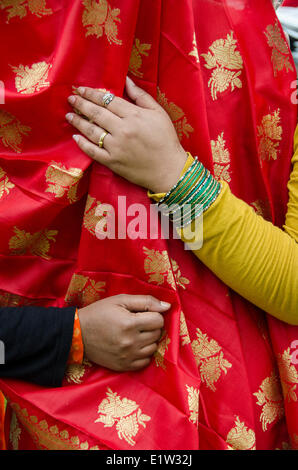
{"x":251,"y":256}
{"x":291,"y":224}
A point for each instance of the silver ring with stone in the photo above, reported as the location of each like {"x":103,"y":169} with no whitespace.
{"x":107,"y":99}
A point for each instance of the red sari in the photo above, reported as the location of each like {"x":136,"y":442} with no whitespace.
{"x":222,"y":376}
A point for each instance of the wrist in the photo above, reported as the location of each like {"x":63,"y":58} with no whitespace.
{"x":172,"y":175}
{"x":158,"y":196}
{"x":191,"y":196}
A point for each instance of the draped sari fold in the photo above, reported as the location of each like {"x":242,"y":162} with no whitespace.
{"x":222,"y":377}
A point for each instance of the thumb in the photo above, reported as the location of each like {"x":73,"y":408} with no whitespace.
{"x":139,"y":96}
{"x":142,"y":303}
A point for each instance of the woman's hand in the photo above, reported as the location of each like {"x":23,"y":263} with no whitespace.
{"x":121,"y":332}
{"x":141,"y":146}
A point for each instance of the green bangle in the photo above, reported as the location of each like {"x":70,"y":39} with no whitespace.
{"x":197,"y":189}
{"x":188,"y":182}
{"x":179,"y":181}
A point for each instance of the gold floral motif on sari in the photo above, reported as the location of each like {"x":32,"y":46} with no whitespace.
{"x":194,"y":53}
{"x":49,"y":437}
{"x":161,"y":269}
{"x":36,"y":244}
{"x":31,"y":79}
{"x":280,"y":51}
{"x":193,"y":404}
{"x":14,"y":432}
{"x":159,"y":355}
{"x":270,"y":136}
{"x":262,"y":208}
{"x":177,"y":115}
{"x":184,"y":335}
{"x":62,"y":180}
{"x":294,"y":441}
{"x":91,"y":220}
{"x":75,"y":372}
{"x":221,"y":159}
{"x":124,"y":413}
{"x":227,"y":64}
{"x":269,"y":397}
{"x":289,"y":376}
{"x":12,"y":131}
{"x":84,"y":291}
{"x":5,"y":184}
{"x":18,"y":8}
{"x":136,"y":59}
{"x":13,"y":300}
{"x":210,"y":359}
{"x":285,"y":446}
{"x":241,"y":437}
{"x":100,"y":18}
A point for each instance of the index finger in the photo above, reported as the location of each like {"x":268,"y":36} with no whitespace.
{"x":118,"y":106}
{"x":149,"y":321}
{"x":142,"y":303}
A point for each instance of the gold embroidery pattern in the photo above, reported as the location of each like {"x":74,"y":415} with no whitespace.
{"x":280,"y":51}
{"x":49,"y":437}
{"x":5,"y":184}
{"x":75,"y":372}
{"x":177,"y":115}
{"x":37,"y":244}
{"x":14,"y":432}
{"x":270,"y":135}
{"x":193,"y":404}
{"x":124,"y":413}
{"x":240,"y":437}
{"x":226,"y":63}
{"x":285,"y":446}
{"x":159,"y":355}
{"x":294,"y":441}
{"x":136,"y":60}
{"x":84,"y":291}
{"x":180,"y":280}
{"x":90,"y":219}
{"x":13,"y":300}
{"x":194,"y":53}
{"x":269,"y":397}
{"x":158,"y":265}
{"x":288,"y":375}
{"x":62,"y":180}
{"x":19,"y":8}
{"x":30,"y":80}
{"x":99,"y":18}
{"x":12,"y":131}
{"x":185,"y":339}
{"x":210,"y":359}
{"x":261,"y":208}
{"x":221,"y":159}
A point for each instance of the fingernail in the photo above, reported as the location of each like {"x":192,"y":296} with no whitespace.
{"x":81,"y":90}
{"x":71,"y":99}
{"x":76,"y":138}
{"x":129,"y":80}
{"x":69,"y":117}
{"x":165,"y":304}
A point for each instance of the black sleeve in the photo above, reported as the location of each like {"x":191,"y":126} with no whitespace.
{"x":36,"y":342}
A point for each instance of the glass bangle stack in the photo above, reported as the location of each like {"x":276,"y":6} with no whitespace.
{"x":193,"y":194}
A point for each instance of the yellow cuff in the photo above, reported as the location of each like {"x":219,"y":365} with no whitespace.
{"x":188,"y":163}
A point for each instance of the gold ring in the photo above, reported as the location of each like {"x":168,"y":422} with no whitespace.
{"x":101,"y":140}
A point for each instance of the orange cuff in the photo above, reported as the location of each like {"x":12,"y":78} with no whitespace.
{"x":76,"y":353}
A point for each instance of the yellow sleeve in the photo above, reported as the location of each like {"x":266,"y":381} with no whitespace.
{"x":291,"y":224}
{"x":249,"y":254}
